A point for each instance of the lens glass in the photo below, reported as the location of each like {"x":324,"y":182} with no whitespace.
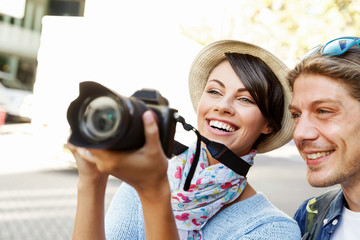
{"x":100,"y":119}
{"x":337,"y":46}
{"x":104,"y":119}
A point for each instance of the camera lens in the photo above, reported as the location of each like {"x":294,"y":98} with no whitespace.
{"x":103,"y":120}
{"x":100,"y":119}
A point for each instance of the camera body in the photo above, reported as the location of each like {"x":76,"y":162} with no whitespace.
{"x":100,"y":118}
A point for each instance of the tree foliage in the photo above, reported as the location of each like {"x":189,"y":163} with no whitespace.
{"x":286,"y":28}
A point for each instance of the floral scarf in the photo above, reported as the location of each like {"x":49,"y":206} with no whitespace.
{"x":211,"y":188}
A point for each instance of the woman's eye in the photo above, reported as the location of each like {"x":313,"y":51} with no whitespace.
{"x":246,"y":100}
{"x":295,"y":115}
{"x":214,"y":92}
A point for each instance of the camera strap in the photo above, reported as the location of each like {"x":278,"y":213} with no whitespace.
{"x":217,"y":150}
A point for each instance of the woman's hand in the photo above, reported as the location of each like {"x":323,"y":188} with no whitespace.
{"x":144,"y":168}
{"x":87,"y":169}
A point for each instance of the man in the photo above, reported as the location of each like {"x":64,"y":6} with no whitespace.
{"x":326,"y":112}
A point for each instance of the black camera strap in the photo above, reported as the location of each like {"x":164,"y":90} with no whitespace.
{"x":217,"y":150}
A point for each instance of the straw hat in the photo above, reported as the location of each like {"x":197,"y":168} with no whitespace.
{"x":211,"y":55}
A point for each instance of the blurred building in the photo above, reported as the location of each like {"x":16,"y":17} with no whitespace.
{"x":20,"y":30}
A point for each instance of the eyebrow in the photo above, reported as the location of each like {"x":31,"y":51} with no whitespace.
{"x":292,"y":107}
{"x":317,"y":102}
{"x":223,"y":85}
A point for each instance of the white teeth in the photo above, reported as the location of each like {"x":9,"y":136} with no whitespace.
{"x":221,"y":125}
{"x":318,"y":155}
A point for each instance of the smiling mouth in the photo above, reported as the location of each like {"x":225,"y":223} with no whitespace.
{"x":313,"y":156}
{"x":221,"y":126}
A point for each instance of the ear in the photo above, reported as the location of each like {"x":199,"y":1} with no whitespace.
{"x":267,"y":129}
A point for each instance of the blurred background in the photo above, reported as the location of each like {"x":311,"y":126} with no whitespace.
{"x":47,"y":47}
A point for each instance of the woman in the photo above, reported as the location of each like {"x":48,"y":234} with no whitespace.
{"x":239,"y":91}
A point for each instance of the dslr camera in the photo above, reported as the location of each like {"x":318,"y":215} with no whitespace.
{"x":100,"y":118}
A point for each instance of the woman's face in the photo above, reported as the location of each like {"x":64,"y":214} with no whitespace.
{"x":227,"y":113}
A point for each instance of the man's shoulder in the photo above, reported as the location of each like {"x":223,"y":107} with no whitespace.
{"x":328,"y":196}
{"x":317,"y":208}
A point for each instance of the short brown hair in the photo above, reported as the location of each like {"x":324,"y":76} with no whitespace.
{"x":343,"y":68}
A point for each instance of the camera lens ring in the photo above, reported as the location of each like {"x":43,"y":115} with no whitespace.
{"x":100,"y":118}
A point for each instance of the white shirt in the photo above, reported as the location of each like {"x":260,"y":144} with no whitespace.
{"x":349,"y":226}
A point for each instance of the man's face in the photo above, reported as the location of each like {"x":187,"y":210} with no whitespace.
{"x":327,"y":130}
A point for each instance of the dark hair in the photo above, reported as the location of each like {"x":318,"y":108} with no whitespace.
{"x":263,"y":86}
{"x":344,"y":68}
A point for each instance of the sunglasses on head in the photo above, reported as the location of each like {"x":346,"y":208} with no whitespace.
{"x":337,"y":46}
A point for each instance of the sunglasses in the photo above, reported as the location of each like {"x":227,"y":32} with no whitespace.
{"x":337,"y":46}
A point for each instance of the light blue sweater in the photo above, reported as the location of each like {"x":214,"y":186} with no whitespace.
{"x":253,"y":218}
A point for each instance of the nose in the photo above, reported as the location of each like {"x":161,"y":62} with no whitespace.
{"x":305,"y":130}
{"x":224,"y":106}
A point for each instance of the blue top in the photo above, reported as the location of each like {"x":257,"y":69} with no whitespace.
{"x":331,"y":220}
{"x":252,"y":218}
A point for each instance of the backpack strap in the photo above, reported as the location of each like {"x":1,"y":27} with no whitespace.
{"x":316,"y":210}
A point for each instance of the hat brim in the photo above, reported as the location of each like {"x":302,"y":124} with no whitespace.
{"x":211,"y":55}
